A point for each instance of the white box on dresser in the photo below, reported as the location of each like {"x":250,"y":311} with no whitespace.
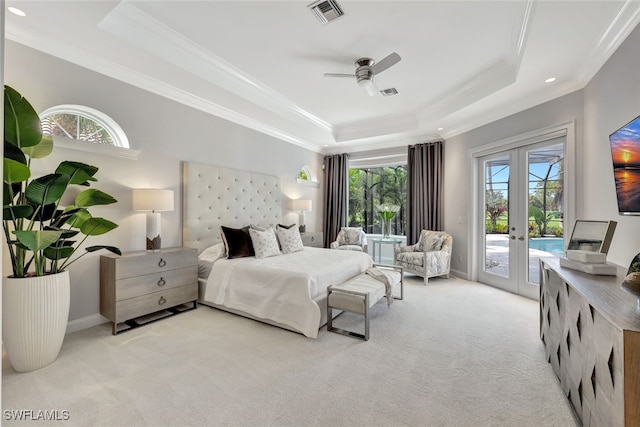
{"x":590,"y":328}
{"x":312,"y":238}
{"x":140,"y":283}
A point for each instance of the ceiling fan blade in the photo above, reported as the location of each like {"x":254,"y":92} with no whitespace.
{"x":388,"y":61}
{"x":338,"y":75}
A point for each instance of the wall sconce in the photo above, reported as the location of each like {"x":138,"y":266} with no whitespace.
{"x":301,"y":206}
{"x":154,"y":200}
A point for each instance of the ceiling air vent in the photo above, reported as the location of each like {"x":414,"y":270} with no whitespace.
{"x":326,"y":10}
{"x":389,"y":92}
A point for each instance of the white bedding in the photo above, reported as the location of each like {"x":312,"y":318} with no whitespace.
{"x":282,"y":288}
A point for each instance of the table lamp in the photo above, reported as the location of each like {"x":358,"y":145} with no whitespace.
{"x":154,"y":200}
{"x":301,"y":206}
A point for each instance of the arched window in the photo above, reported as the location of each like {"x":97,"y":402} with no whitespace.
{"x":81,"y":123}
{"x":307,"y":177}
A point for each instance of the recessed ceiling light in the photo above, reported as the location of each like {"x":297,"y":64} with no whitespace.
{"x":440,"y":128}
{"x":16,"y":11}
{"x":550,"y":79}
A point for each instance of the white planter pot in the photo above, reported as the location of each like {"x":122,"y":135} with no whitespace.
{"x":35,"y":311}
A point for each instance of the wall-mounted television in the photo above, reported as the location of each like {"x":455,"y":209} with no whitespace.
{"x":625,"y":153}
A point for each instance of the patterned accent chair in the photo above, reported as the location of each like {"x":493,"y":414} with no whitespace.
{"x":350,"y":239}
{"x":430,"y":257}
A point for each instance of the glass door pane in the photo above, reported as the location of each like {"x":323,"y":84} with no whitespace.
{"x":545,"y":207}
{"x":496,"y":214}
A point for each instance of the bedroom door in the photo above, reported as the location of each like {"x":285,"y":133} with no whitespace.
{"x":521,"y":206}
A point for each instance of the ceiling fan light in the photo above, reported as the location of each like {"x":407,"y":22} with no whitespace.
{"x":365,"y":83}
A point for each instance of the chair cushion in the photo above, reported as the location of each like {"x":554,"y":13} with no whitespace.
{"x":411,"y":259}
{"x":350,"y":236}
{"x":351,"y":248}
{"x":431,"y":240}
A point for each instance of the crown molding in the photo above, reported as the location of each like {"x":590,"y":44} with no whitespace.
{"x":87,"y":59}
{"x":621,"y":25}
{"x":373,"y":128}
{"x":132,"y":25}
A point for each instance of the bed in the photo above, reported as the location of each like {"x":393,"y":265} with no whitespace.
{"x":289,"y":290}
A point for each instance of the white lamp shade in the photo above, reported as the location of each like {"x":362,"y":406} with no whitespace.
{"x":301,"y":205}
{"x":152,"y":199}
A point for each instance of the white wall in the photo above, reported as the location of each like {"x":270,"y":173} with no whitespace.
{"x":166,"y":133}
{"x":611,"y":99}
{"x":456,"y":182}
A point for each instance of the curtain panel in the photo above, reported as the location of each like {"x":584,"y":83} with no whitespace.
{"x":425,"y":163}
{"x":336,"y":195}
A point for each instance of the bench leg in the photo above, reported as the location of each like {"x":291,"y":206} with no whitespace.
{"x":366,"y":317}
{"x":341,"y":331}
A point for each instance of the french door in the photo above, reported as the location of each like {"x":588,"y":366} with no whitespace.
{"x":521,"y":205}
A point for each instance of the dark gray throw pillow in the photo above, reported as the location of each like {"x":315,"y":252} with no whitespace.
{"x":237,"y":241}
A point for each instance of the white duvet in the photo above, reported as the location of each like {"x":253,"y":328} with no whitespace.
{"x":282,"y":288}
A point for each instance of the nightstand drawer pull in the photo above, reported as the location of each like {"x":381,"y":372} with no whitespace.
{"x":162,"y":282}
{"x":162,"y":263}
{"x":162,"y":300}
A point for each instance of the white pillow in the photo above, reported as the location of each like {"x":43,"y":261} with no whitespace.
{"x":208,"y":257}
{"x":212,"y":253}
{"x":264,"y":242}
{"x":290,"y":239}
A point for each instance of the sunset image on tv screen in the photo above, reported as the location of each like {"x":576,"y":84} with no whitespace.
{"x":625,"y":153}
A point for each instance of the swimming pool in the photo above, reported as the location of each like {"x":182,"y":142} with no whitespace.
{"x":553,"y":245}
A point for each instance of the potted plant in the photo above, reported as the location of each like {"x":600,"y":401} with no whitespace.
{"x":43,"y":237}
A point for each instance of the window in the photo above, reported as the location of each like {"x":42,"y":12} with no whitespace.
{"x":307,"y":177}
{"x":371,"y":187}
{"x":80,"y":123}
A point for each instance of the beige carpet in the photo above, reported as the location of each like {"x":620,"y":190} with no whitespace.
{"x":454,"y":353}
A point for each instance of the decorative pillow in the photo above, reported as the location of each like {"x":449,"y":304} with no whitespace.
{"x":431,"y":241}
{"x":264,"y":242}
{"x":352,"y":235}
{"x":237,"y":242}
{"x":287,"y":226}
{"x":212,"y":253}
{"x":208,"y":257}
{"x":290,"y":239}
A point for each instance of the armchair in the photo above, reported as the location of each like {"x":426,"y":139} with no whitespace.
{"x":350,"y":239}
{"x":430,"y":257}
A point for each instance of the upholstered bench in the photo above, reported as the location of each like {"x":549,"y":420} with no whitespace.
{"x":360,"y":293}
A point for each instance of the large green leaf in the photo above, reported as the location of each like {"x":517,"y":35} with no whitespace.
{"x":112,"y":249}
{"x":93,"y":197}
{"x":47,"y":189}
{"x":97,"y":226}
{"x":78,"y":218}
{"x":80,"y":173}
{"x":37,"y":240}
{"x":43,"y":149}
{"x":17,"y":211}
{"x":59,"y":252}
{"x":21,"y":122}
{"x":15,"y":171}
{"x":14,"y":153}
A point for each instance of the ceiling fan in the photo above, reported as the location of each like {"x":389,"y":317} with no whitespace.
{"x":366,"y":68}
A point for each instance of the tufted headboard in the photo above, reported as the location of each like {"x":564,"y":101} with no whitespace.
{"x":213,"y":196}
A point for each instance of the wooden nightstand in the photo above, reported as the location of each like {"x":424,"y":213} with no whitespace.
{"x":312,"y":238}
{"x":140,"y":283}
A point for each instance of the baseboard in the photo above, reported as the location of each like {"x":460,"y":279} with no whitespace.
{"x":459,"y":274}
{"x":85,"y":322}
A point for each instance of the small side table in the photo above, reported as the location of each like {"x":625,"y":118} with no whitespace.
{"x":384,"y":241}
